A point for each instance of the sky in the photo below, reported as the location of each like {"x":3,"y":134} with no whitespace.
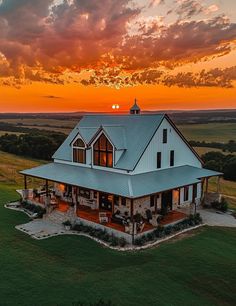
{"x":86,"y":55}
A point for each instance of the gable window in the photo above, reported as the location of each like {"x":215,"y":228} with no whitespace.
{"x":158,"y":160}
{"x":103,"y":152}
{"x":172,"y":158}
{"x":164,"y":138}
{"x":79,"y":153}
{"x":186,"y":193}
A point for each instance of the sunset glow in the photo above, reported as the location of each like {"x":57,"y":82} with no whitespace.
{"x":77,"y":55}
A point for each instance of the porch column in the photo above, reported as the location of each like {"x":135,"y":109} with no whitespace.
{"x":76,"y":200}
{"x":202,"y":187}
{"x":206,"y":191}
{"x":218,"y":184}
{"x":194,"y":186}
{"x":47,"y":202}
{"x":132,"y":217}
{"x":179,"y":189}
{"x":25,"y":182}
{"x":112,"y":204}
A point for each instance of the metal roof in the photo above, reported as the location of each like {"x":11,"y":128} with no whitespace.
{"x":132,"y":133}
{"x":131,"y":186}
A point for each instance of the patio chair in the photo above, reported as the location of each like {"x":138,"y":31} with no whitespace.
{"x":103,"y":218}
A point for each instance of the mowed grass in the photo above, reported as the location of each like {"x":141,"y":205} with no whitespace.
{"x":196,"y":270}
{"x":209,"y":132}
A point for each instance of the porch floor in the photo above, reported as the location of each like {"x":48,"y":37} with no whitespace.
{"x":86,"y":213}
{"x":173,"y":216}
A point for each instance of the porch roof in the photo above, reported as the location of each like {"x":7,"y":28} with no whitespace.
{"x":131,"y":186}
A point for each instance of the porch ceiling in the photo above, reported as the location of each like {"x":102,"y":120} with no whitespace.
{"x":131,"y":186}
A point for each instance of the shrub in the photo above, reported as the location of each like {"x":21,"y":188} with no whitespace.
{"x":122,"y":242}
{"x":222,"y":205}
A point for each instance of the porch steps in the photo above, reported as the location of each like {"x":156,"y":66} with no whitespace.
{"x":56,"y":217}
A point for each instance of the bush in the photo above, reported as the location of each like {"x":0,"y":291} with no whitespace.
{"x":222,"y":205}
{"x":40,"y":211}
{"x":100,"y":234}
{"x":122,"y":242}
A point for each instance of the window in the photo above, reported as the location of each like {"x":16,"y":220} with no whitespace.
{"x":186,"y":193}
{"x":164,"y":136}
{"x":123,"y":201}
{"x":172,"y":158}
{"x":79,"y":153}
{"x":158,"y":160}
{"x":103,"y":152}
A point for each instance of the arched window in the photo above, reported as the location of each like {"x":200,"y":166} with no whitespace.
{"x":79,"y":153}
{"x":103,"y":152}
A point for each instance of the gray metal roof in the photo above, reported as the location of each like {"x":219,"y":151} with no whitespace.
{"x":131,"y":186}
{"x":128,"y":132}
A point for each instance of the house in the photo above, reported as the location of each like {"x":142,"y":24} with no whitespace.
{"x":125,"y":173}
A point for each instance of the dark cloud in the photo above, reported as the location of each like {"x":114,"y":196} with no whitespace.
{"x":41,"y":41}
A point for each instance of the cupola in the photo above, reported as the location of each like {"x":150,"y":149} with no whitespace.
{"x":135,"y":109}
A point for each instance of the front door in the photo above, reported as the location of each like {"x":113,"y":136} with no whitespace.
{"x":105,"y":201}
{"x":166,"y":202}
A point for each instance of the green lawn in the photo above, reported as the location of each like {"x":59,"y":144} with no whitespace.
{"x":209,"y":132}
{"x":196,"y":270}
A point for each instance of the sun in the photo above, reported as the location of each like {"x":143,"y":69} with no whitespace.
{"x":115,"y":106}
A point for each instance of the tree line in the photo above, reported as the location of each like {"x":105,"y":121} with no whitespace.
{"x":36,"y":144}
{"x":220,"y":162}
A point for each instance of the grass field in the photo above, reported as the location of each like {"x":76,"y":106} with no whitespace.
{"x":196,"y":270}
{"x":219,"y":132}
{"x":204,"y":150}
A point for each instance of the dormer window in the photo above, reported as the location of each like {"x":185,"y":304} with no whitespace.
{"x":79,"y":153}
{"x":103,"y":152}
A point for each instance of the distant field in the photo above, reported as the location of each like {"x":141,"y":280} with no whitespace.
{"x":218,"y":132}
{"x":204,"y":150}
{"x":41,"y":121}
{"x":6,"y":132}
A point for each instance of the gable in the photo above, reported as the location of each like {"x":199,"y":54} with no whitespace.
{"x":129,"y":133}
{"x":183,"y":152}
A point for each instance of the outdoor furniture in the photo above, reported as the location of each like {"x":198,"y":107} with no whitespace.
{"x":103,"y":218}
{"x":117,"y":218}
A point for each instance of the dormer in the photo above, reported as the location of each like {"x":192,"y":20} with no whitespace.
{"x":78,"y":151}
{"x":103,"y":152}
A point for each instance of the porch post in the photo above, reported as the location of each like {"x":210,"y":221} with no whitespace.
{"x":179,"y":189}
{"x":25,"y":181}
{"x":112,"y":204}
{"x":218,"y":184}
{"x":76,"y":200}
{"x":47,"y":188}
{"x":132,"y":217}
{"x":194,"y":197}
{"x":206,"y":186}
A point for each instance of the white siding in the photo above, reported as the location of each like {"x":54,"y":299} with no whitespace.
{"x":183,"y":154}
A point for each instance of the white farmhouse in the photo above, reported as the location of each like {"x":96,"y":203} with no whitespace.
{"x":127,"y":173}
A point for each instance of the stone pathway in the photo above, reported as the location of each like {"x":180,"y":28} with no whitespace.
{"x":41,"y":229}
{"x":217,"y":218}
